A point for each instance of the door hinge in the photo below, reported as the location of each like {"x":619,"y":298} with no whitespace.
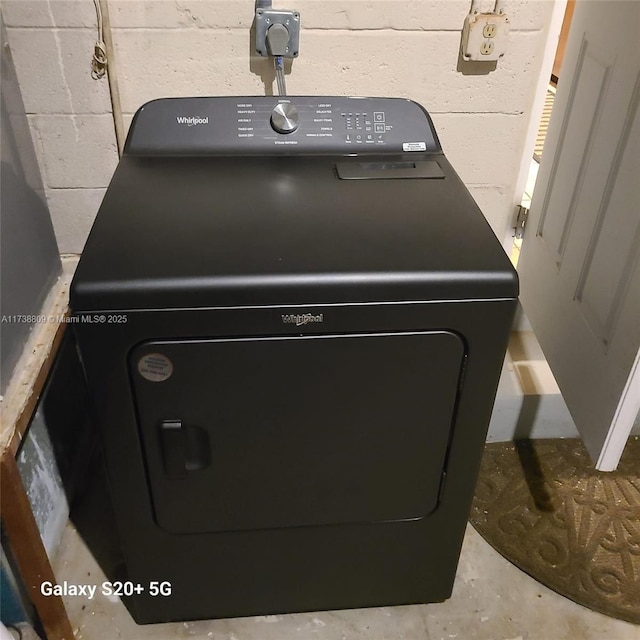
{"x":521,"y":221}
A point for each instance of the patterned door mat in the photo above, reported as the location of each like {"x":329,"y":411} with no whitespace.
{"x":542,"y":505}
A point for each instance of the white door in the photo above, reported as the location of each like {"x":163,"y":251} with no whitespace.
{"x":579,"y":265}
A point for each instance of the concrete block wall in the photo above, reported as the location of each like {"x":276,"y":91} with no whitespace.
{"x":69,"y":114}
{"x":404,"y":48}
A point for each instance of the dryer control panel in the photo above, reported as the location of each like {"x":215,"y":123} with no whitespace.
{"x":287,"y":124}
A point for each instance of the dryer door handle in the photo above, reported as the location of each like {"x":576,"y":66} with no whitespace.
{"x":184,"y":449}
{"x":174,"y":448}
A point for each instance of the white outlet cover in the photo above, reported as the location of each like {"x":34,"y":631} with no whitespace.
{"x":474,"y":41}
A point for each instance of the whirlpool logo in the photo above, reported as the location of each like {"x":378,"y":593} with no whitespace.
{"x":192,"y":121}
{"x":301,"y":319}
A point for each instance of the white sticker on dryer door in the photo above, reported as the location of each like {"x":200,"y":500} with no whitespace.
{"x":155,"y":367}
{"x":414,"y":146}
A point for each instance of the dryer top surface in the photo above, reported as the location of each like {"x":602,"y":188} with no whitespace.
{"x":180,"y":231}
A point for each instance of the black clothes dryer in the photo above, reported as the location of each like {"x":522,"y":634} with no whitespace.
{"x":292,"y":317}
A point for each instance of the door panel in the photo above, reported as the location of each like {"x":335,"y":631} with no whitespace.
{"x":294,"y":431}
{"x":580,"y":270}
{"x":608,"y":267}
{"x":577,"y":136}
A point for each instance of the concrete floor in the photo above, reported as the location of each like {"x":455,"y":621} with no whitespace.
{"x":492,"y":600}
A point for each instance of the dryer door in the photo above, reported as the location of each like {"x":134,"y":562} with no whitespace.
{"x":295,"y":431}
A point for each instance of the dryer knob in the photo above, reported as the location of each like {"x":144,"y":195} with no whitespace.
{"x":284,"y":118}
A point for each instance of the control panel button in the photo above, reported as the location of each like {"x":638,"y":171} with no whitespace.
{"x":285,"y":118}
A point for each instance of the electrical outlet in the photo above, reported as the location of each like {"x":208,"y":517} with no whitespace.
{"x":486,"y":48}
{"x":290,"y":20}
{"x":484,"y":36}
{"x":489,"y":30}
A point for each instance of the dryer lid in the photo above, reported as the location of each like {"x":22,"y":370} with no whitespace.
{"x":252,"y":229}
